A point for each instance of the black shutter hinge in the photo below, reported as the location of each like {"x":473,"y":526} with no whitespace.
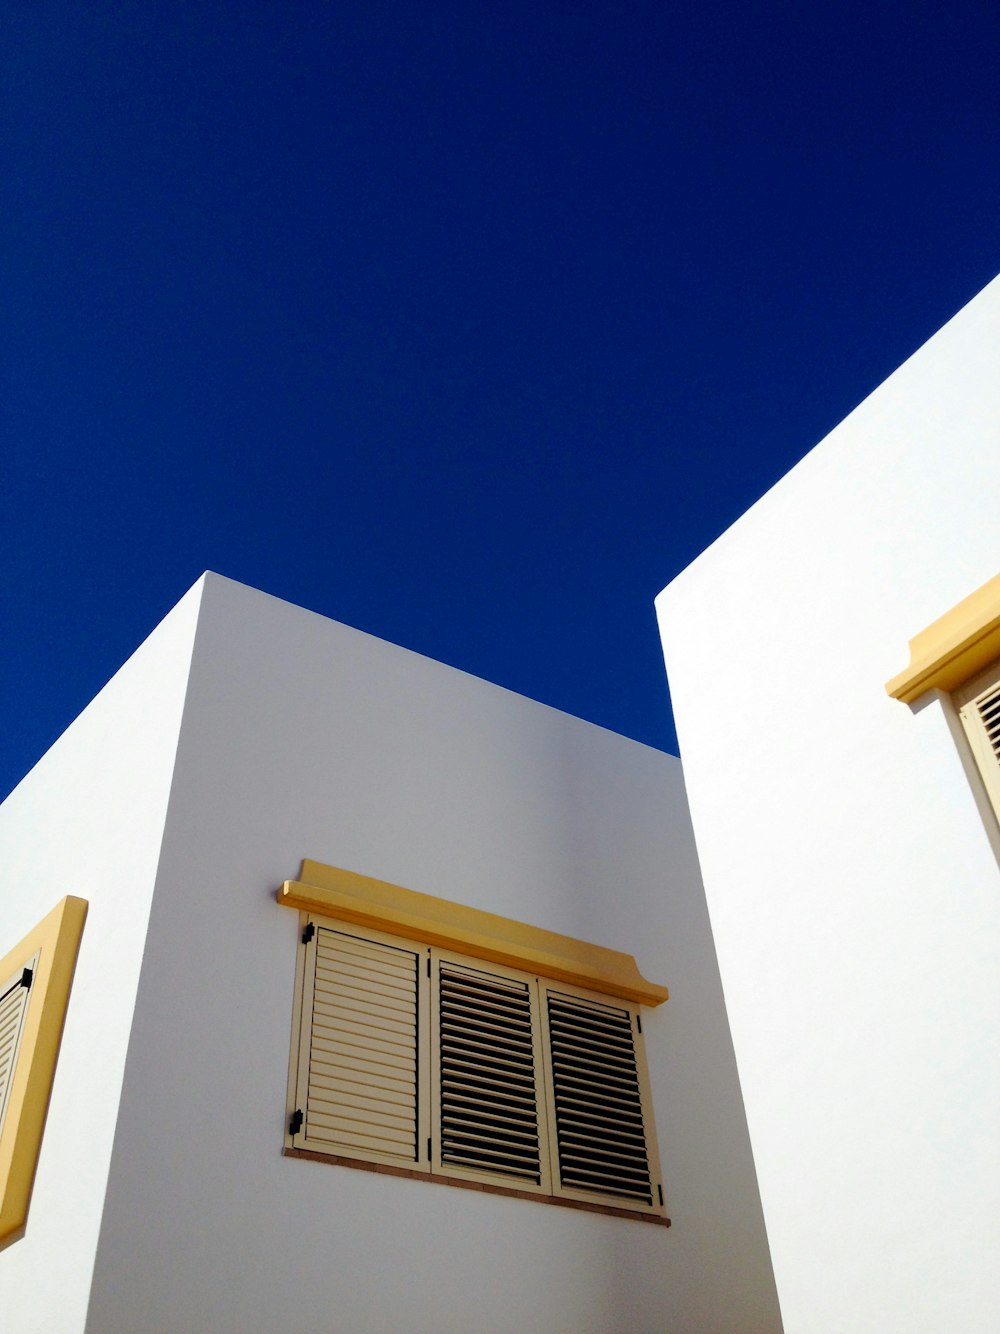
{"x":429,"y":1154}
{"x":308,"y":933}
{"x":638,"y":1022}
{"x":295,"y":1124}
{"x":428,"y":965}
{"x":660,"y":1189}
{"x":26,"y":977}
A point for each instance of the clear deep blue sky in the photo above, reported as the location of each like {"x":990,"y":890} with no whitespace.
{"x":469,"y":325}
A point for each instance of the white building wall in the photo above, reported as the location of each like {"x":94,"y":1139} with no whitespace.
{"x":87,"y":821}
{"x":303,"y":738}
{"x":852,"y":887}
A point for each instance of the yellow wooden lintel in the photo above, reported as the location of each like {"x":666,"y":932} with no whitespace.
{"x":954,"y":648}
{"x":366,"y":902}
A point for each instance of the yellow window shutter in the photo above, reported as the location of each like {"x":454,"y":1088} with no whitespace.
{"x":487,"y":1091}
{"x":14,"y":994}
{"x":466,"y":1070}
{"x":979,"y":709}
{"x":358,"y":1065}
{"x":601,"y":1137}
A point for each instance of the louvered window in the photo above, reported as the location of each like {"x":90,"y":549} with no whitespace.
{"x":417,"y":1059}
{"x":14,"y":995}
{"x":979,"y":709}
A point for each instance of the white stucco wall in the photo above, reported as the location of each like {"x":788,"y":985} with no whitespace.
{"x":88,"y":821}
{"x":304,"y":738}
{"x":852,"y":887}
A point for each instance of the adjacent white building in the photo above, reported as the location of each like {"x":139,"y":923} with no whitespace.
{"x":848,"y":848}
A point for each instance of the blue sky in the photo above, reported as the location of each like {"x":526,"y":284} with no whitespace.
{"x":467,"y":325}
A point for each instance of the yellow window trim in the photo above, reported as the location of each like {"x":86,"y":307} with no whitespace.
{"x":56,"y":940}
{"x":376,"y":904}
{"x":958,"y":645}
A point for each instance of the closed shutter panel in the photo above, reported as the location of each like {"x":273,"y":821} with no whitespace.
{"x":488,"y":1110}
{"x":599,"y":1127}
{"x":361,"y":1071}
{"x":14,"y":995}
{"x":980,"y":713}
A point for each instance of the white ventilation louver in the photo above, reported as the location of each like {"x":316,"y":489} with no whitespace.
{"x":362,"y":1078}
{"x":600,"y":1135}
{"x":13,"y":1006}
{"x":489,"y":1114}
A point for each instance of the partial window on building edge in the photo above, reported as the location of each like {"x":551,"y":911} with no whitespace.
{"x":978,"y":705}
{"x":15,"y":992}
{"x":35,"y":981}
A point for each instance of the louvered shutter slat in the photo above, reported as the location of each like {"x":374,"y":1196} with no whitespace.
{"x":352,"y":1065}
{"x":599,"y":1132}
{"x":352,"y":959}
{"x":384,"y":1108}
{"x":482,"y":1123}
{"x":488,"y":1098}
{"x":467,"y":1085}
{"x":358,"y":1139}
{"x":504,"y":1033}
{"x":341,"y":1039}
{"x":334,"y":1077}
{"x":369,"y":988}
{"x":352,"y":1015}
{"x":362,"y":1075}
{"x":462,"y":1100}
{"x":487,"y":1158}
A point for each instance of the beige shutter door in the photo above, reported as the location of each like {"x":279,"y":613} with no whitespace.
{"x":358,"y":1064}
{"x":602,"y":1132}
{"x":14,"y":995}
{"x":979,"y":710}
{"x":486,"y":1059}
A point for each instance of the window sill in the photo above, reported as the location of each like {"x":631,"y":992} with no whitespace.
{"x":386,"y":1169}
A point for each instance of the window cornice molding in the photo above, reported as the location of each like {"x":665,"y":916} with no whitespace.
{"x":367,"y":902}
{"x":56,"y":939}
{"x":954,"y":648}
